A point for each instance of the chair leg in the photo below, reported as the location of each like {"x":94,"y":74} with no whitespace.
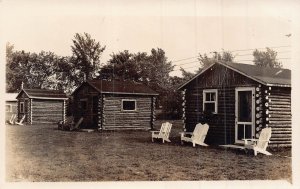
{"x":255,"y":153}
{"x":163,"y":141}
{"x":152,"y":139}
{"x":181,"y":142}
{"x":194,"y":144}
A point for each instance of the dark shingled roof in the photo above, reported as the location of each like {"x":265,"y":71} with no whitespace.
{"x":44,"y":93}
{"x":124,"y":87}
{"x":264,"y":75}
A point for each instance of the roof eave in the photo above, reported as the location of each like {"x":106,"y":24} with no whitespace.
{"x":149,"y":94}
{"x":21,"y":92}
{"x":183,"y":85}
{"x":48,"y":98}
{"x":278,"y":85}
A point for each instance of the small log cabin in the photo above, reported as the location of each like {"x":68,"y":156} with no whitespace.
{"x":114,"y":105}
{"x":10,"y":105}
{"x":41,"y":106}
{"x":237,"y":101}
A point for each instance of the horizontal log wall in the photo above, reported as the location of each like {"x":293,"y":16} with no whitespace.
{"x":47,"y":111}
{"x":114,"y":117}
{"x":280,"y":116}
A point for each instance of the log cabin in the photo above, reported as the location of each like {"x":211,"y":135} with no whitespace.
{"x":237,"y":101}
{"x":41,"y":106}
{"x":114,"y":105}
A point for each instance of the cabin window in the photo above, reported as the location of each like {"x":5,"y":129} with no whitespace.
{"x":8,"y":108}
{"x":21,"y":107}
{"x":128,"y":105}
{"x":210,"y":101}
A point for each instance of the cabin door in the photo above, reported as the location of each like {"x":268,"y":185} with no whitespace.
{"x":244,"y":113}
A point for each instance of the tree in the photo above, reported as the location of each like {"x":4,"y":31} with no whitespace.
{"x":86,"y":55}
{"x":152,"y":70}
{"x":266,"y":58}
{"x":9,"y":71}
{"x":224,"y":56}
{"x":44,"y":70}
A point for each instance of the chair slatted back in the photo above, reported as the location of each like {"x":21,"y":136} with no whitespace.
{"x":200,"y":132}
{"x":264,"y":138}
{"x":165,"y":129}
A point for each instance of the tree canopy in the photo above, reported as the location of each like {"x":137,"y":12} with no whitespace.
{"x":224,"y":56}
{"x":86,"y":55}
{"x":266,"y":58}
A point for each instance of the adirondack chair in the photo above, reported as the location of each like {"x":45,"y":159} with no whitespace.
{"x":76,"y":126}
{"x":69,"y":124}
{"x":197,"y":136}
{"x":12,"y":119}
{"x":164,"y":132}
{"x":21,"y":121}
{"x":260,"y":145}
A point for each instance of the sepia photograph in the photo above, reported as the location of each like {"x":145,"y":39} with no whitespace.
{"x":151,"y":94}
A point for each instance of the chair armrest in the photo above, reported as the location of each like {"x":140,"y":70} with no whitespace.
{"x":250,"y":139}
{"x":246,"y":140}
{"x":185,"y":133}
{"x":153,"y":132}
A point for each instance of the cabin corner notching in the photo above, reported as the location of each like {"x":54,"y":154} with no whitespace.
{"x":238,"y":101}
{"x":114,"y":105}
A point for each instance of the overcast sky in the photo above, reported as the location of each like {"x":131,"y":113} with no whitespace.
{"x":181,"y":28}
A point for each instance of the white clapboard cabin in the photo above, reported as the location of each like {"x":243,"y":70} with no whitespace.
{"x":114,"y":105}
{"x":10,"y":105}
{"x":41,"y":106}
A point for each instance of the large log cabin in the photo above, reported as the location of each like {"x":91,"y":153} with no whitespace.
{"x":114,"y":105}
{"x":237,"y":101}
{"x":41,"y":106}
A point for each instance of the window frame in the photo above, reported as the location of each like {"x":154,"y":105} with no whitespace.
{"x":22,"y":104}
{"x":131,"y":100}
{"x":205,"y":91}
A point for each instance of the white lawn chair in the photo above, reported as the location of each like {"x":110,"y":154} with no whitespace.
{"x":164,"y":132}
{"x":197,"y":137}
{"x":260,"y":145}
{"x":21,"y":121}
{"x":76,"y":126}
{"x":12,"y":119}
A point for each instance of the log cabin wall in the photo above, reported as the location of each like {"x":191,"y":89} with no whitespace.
{"x":222,"y":124}
{"x":47,"y":111}
{"x":280,"y":117}
{"x":115,"y":118}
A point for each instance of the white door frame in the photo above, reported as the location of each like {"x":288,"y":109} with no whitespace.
{"x":237,"y":89}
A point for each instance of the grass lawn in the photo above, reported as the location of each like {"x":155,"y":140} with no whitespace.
{"x":43,"y":153}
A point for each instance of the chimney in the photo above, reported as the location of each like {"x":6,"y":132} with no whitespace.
{"x":22,"y":85}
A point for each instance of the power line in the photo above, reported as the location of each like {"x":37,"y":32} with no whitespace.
{"x":238,"y":50}
{"x":183,"y":68}
{"x":235,"y":61}
{"x":276,"y":58}
{"x":186,"y":63}
{"x":185,"y":59}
